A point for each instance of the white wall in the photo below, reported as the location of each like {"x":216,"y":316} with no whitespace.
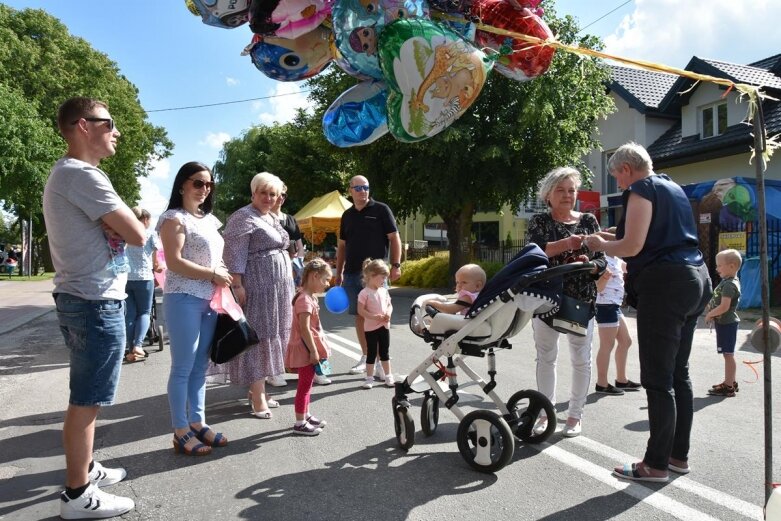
{"x":708,"y":94}
{"x":714,"y":169}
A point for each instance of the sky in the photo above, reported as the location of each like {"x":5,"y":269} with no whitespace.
{"x":177,"y":61}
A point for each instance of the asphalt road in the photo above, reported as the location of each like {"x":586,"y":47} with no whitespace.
{"x":354,"y":469}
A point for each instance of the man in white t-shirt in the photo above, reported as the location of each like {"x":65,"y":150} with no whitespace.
{"x":88,"y":226}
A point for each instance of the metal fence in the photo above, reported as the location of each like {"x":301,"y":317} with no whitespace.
{"x":501,"y":253}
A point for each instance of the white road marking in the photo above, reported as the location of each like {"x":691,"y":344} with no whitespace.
{"x":656,"y":499}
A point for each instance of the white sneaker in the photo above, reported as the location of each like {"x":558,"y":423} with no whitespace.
{"x":389,"y":380}
{"x":540,"y":426}
{"x":94,"y":504}
{"x":360,"y":367}
{"x":368,"y":383}
{"x":276,"y":381}
{"x":100,"y":476}
{"x":322,"y":379}
{"x":378,"y":372}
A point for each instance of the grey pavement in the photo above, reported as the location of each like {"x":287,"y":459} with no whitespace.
{"x":354,"y":470}
{"x":22,"y":301}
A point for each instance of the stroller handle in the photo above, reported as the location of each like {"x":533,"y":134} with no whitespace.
{"x":554,"y":272}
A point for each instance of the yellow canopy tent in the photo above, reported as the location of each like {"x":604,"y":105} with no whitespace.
{"x":322,"y":215}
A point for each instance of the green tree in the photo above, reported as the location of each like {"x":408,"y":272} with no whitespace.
{"x":294,"y":151}
{"x":41,"y":65}
{"x":497,"y":152}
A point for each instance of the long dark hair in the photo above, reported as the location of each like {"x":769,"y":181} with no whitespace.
{"x":184,"y":173}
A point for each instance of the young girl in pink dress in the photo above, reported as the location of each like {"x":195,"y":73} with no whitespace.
{"x":374,"y":305}
{"x":307,"y":345}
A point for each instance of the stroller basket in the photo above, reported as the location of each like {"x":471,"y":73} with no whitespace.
{"x":526,"y":287}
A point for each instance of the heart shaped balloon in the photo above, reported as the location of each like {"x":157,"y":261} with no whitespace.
{"x":357,"y":117}
{"x":527,"y":60}
{"x":433,"y":76}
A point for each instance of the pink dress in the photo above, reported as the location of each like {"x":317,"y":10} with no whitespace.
{"x":466,"y":295}
{"x":297,"y":354}
{"x":377,"y":301}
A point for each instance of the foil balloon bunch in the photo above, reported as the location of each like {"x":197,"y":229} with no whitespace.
{"x":416,"y":75}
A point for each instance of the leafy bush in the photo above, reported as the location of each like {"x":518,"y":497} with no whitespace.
{"x":432,"y":272}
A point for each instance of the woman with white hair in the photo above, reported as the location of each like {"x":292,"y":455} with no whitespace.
{"x":256,"y":256}
{"x":559,"y":232}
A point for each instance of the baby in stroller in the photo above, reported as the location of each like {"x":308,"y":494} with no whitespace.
{"x":470,"y":279}
{"x":524,"y":288}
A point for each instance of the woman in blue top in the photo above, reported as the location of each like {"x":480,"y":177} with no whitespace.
{"x":669,"y":285}
{"x":140,"y":289}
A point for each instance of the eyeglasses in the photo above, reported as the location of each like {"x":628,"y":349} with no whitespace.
{"x":110,"y":121}
{"x":360,"y":188}
{"x":198,"y":184}
{"x":283,"y":196}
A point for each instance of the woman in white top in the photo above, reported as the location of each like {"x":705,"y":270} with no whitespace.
{"x":193,"y":252}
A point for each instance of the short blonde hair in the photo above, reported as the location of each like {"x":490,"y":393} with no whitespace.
{"x":731,"y":257}
{"x":633,"y":155}
{"x":264,"y":179}
{"x":372,"y":267}
{"x":554,"y":177}
{"x":474,"y":271}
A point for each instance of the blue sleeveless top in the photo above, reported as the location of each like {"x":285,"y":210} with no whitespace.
{"x":672,"y":234}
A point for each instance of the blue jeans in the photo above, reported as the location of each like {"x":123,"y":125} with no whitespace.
{"x":94,"y":331}
{"x":670,"y":299}
{"x":138,"y":307}
{"x":191,"y":324}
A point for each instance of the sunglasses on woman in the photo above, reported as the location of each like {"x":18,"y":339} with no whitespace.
{"x":198,"y":184}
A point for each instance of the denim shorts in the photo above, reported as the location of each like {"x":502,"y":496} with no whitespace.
{"x":726,"y":338}
{"x":94,"y":331}
{"x":352,"y":284}
{"x":608,"y":315}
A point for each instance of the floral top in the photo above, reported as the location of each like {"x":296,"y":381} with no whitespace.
{"x":544,"y":229}
{"x":614,"y":289}
{"x":203,"y":245}
{"x":140,"y":258}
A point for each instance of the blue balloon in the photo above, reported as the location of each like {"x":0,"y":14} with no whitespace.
{"x":336,"y":300}
{"x":357,"y":117}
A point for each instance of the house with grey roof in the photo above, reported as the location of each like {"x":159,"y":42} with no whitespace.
{"x":693,"y":131}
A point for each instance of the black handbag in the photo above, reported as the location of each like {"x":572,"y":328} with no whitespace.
{"x":573,"y":316}
{"x":231,"y":338}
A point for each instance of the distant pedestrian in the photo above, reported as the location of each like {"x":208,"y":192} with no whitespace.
{"x":374,"y":305}
{"x":140,"y":289}
{"x":308,"y":345}
{"x":722,"y":312}
{"x":88,"y":227}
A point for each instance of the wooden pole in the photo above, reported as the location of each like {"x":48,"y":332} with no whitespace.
{"x":759,"y":149}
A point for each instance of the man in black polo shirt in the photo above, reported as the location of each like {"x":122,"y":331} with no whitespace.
{"x":366,"y":231}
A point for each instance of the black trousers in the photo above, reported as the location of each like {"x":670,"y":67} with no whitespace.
{"x":377,"y":341}
{"x":670,"y":299}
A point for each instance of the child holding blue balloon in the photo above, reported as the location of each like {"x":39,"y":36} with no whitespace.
{"x":374,"y":305}
{"x":307,"y":346}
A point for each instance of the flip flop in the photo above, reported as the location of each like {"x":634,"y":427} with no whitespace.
{"x":631,"y":471}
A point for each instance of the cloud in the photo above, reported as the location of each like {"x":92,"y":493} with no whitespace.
{"x":160,"y":169}
{"x":215,"y":140}
{"x":232,"y":82}
{"x":281,"y":108}
{"x":671,"y":31}
{"x":152,"y":197}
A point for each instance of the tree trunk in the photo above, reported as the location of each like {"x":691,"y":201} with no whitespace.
{"x":459,"y":236}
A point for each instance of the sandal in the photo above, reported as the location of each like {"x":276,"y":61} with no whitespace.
{"x":638,"y":472}
{"x":180,"y":445}
{"x":272,"y":404}
{"x":131,"y":358}
{"x":217,"y":440}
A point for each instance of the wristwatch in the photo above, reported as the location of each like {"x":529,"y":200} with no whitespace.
{"x":396,"y":265}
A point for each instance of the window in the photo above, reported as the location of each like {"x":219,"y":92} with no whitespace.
{"x":609,"y":183}
{"x":714,"y":120}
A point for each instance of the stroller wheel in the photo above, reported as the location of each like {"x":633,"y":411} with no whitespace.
{"x":485,"y":441}
{"x":429,"y":414}
{"x":525,"y":407}
{"x":404,"y":426}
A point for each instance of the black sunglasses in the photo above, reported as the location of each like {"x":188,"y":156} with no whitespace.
{"x":360,"y":188}
{"x":198,"y":184}
{"x":110,"y":121}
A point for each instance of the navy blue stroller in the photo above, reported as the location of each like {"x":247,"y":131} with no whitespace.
{"x":524,"y":288}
